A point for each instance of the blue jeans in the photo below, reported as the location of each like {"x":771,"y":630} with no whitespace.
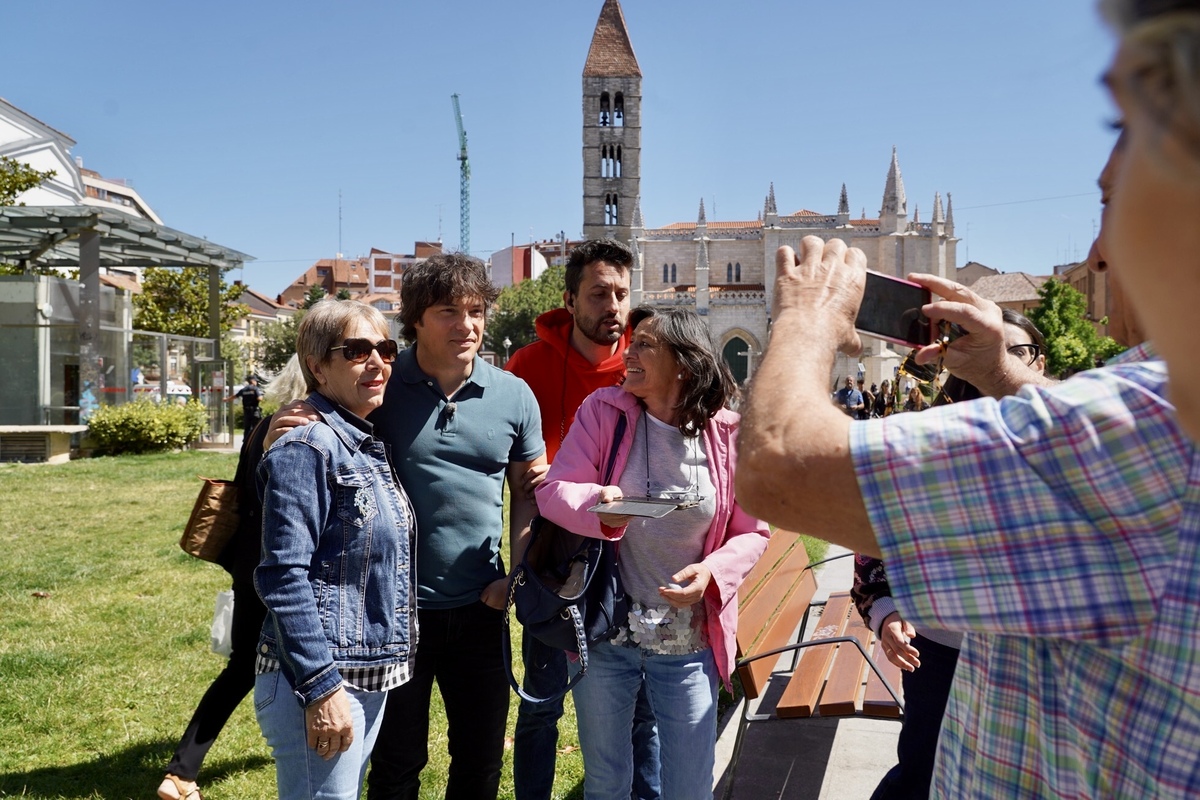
{"x":683,"y":696}
{"x":299,"y":771}
{"x":535,"y":742}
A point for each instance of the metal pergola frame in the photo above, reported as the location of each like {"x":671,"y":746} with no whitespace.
{"x":88,"y":237}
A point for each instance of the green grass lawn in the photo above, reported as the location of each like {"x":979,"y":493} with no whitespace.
{"x":99,"y":677}
{"x":104,"y":648}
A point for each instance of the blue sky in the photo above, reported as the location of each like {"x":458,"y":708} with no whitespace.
{"x":242,"y":121}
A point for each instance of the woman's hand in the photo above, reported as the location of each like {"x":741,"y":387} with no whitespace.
{"x":607,"y":495}
{"x":895,"y":635}
{"x":330,"y":726}
{"x":691,"y":581}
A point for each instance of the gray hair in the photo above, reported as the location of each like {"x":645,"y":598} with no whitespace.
{"x":323,"y":327}
{"x":1167,"y":32}
{"x":287,"y":385}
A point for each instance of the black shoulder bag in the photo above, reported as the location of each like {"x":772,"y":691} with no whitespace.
{"x":567,"y":589}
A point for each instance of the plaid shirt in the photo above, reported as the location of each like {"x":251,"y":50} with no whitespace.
{"x":1061,"y":527}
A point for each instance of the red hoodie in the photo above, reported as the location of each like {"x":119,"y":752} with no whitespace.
{"x":559,"y":376}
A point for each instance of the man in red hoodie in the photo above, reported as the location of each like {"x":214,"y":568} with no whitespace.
{"x":580,"y":349}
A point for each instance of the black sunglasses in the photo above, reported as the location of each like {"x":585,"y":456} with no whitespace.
{"x":1026,"y":352}
{"x":357,"y":351}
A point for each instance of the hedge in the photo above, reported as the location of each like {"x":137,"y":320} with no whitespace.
{"x":145,"y":426}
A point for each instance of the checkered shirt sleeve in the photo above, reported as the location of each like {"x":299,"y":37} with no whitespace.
{"x":1061,"y":529}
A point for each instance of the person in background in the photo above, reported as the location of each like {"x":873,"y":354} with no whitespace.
{"x":580,"y":348}
{"x":849,"y":399}
{"x":928,"y":656}
{"x":251,"y":395}
{"x":335,"y":575}
{"x":681,"y":572}
{"x":916,"y":400}
{"x":239,"y":558}
{"x":868,"y":397}
{"x":885,"y":401}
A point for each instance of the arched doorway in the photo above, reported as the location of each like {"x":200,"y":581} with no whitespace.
{"x":735,"y":355}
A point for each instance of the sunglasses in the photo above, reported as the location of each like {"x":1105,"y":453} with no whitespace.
{"x":357,"y":351}
{"x":1026,"y":352}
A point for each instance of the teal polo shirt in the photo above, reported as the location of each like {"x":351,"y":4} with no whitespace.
{"x":452,"y":458}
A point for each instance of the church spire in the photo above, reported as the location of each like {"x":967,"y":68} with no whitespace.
{"x":638,"y":221}
{"x":611,"y":53}
{"x":894,"y":200}
{"x":769,"y":205}
{"x":938,"y":216}
{"x":949,"y":215}
{"x":701,"y":220}
{"x":844,"y":202}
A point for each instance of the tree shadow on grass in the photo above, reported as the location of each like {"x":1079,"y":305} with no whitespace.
{"x":132,"y":772}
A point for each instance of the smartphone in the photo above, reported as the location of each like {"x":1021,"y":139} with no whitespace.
{"x":657,"y":509}
{"x":891,"y":310}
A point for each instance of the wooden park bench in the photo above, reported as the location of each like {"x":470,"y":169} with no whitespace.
{"x":831,"y":674}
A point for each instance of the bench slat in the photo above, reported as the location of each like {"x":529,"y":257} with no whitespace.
{"x":778,"y":616}
{"x":877,"y":701}
{"x":778,"y":547}
{"x":844,"y":688}
{"x":799,"y":699}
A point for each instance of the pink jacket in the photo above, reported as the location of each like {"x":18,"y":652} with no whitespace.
{"x":734,"y":542}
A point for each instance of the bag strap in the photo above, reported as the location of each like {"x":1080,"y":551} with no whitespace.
{"x":580,"y":636}
{"x":506,"y":645}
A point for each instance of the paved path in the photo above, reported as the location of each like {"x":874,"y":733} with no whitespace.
{"x":817,"y":759}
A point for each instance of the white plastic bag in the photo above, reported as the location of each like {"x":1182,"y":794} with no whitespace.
{"x":222,"y":624}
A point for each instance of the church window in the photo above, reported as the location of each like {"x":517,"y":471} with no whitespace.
{"x":737,"y":272}
{"x":619,"y":110}
{"x":605,"y":162}
{"x":729,"y":272}
{"x":674,"y":275}
{"x":604,"y":111}
{"x":610,"y":210}
{"x":616,"y":170}
{"x":666,"y":273}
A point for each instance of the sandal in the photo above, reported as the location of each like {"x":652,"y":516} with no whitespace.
{"x":176,"y":788}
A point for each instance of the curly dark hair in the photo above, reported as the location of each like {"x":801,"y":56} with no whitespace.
{"x":444,"y":278}
{"x":708,"y":385}
{"x":593,"y":250}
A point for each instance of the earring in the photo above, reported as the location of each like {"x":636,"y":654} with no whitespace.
{"x":679,"y":377}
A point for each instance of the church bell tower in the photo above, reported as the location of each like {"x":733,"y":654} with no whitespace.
{"x":612,"y":129}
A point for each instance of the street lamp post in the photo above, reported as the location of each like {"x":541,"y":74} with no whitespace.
{"x":507,"y":344}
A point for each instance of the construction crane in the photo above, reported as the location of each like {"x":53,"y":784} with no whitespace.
{"x":464,"y":184}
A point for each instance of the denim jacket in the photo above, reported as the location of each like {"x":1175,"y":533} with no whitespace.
{"x":336,"y":569}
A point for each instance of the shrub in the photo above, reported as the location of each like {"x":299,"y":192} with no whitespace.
{"x":145,"y":426}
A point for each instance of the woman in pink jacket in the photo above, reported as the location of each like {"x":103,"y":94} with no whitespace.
{"x":681,"y":571}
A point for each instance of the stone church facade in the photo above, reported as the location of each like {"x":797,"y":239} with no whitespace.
{"x":726,"y":269}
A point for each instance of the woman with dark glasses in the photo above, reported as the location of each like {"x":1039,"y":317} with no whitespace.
{"x":927,"y":656}
{"x":336,"y":574}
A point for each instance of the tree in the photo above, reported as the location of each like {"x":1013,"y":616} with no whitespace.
{"x":519,"y":306}
{"x":1072,"y":343}
{"x":17,"y":177}
{"x":343,"y":294}
{"x":278,"y":342}
{"x":176,"y":301}
{"x":315,"y":295}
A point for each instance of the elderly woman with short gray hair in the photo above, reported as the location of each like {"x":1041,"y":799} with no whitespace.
{"x":336,"y":573}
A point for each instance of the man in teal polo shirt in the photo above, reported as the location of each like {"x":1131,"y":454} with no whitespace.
{"x":457,"y":428}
